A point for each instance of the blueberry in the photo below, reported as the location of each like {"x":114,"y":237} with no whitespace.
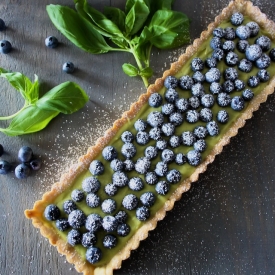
{"x":121,"y":217}
{"x":22,"y":171}
{"x":170,"y":82}
{"x":136,"y":184}
{"x":88,"y":239}
{"x":167,"y":108}
{"x":200,"y":132}
{"x":109,"y":224}
{"x":188,"y":138}
{"x":5,"y":46}
{"x":51,"y":42}
{"x":237,"y":18}
{"x":2,"y":25}
{"x":155,"y":133}
{"x":242,"y":45}
{"x":155,"y":100}
{"x":52,"y":212}
{"x":218,"y":54}
{"x":175,"y":141}
{"x":68,"y":67}
{"x":92,"y":200}
{"x":194,"y":102}
{"x":162,"y":187}
{"x":74,"y":237}
{"x":263,"y":75}
{"x":130,"y":202}
{"x":62,"y":224}
{"x":211,"y":62}
{"x":173,"y":176}
{"x":77,"y":195}
{"x":5,"y":167}
{"x":128,"y":150}
{"x":109,"y":153}
{"x":228,"y":46}
{"x":123,"y":230}
{"x":1,"y":150}
{"x":171,"y":95}
{"x":143,"y":213}
{"x":151,"y":178}
{"x":90,"y":185}
{"x":229,"y":33}
{"x":218,"y":32}
{"x":213,"y":75}
{"x":239,"y":84}
{"x":129,"y":165}
{"x":120,"y":179}
{"x":186,"y":82}
{"x":193,"y":158}
{"x":222,"y":116}
{"x":197,"y":90}
{"x":264,"y":42}
{"x":212,"y":128}
{"x":69,"y":206}
{"x":182,"y":105}
{"x":215,"y":43}
{"x":223,"y":99}
{"x":198,"y":76}
{"x":206,"y":115}
{"x":228,"y":86}
{"x":142,"y":138}
{"x":207,"y":100}
{"x":161,"y":169}
{"x":263,"y":61}
{"x":245,"y":65}
{"x":151,"y":152}
{"x":192,"y":116}
{"x":35,"y":164}
{"x":25,"y":154}
{"x":197,"y":64}
{"x":93,"y":254}
{"x":272,"y":54}
{"x":180,"y":159}
{"x":243,"y":32}
{"x":254,"y":28}
{"x":76,"y":219}
{"x":142,"y":165}
{"x":108,"y":206}
{"x":168,"y":129}
{"x":127,"y":137}
{"x":247,"y":94}
{"x":253,"y":52}
{"x":96,"y":167}
{"x":167,"y":155}
{"x":200,"y":145}
{"x":117,"y":165}
{"x":161,"y":144}
{"x":140,"y":125}
{"x":237,"y":103}
{"x":109,"y":241}
{"x":253,"y":81}
{"x":215,"y":88}
{"x":93,"y":222}
{"x":148,"y":199}
{"x":176,"y":118}
{"x":155,"y":119}
{"x":110,"y":189}
{"x":231,"y":59}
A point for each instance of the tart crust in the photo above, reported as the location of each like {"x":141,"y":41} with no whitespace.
{"x":67,"y":179}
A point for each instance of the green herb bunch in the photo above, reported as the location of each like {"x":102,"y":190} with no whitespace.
{"x":143,"y":24}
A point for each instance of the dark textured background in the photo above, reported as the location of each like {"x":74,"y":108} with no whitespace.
{"x":224,"y":225}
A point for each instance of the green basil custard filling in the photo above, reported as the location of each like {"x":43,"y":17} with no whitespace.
{"x":185,"y":170}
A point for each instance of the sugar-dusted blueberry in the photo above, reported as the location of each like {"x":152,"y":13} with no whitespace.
{"x":173,"y":176}
{"x":2,"y":25}
{"x":108,"y":206}
{"x":253,"y":81}
{"x":170,"y":82}
{"x":198,"y":76}
{"x":123,"y":230}
{"x":247,"y":94}
{"x":140,"y":125}
{"x":62,"y":224}
{"x":245,"y":65}
{"x":254,"y":28}
{"x":213,"y":75}
{"x":188,"y":138}
{"x":162,"y":187}
{"x":110,"y":189}
{"x":35,"y":164}
{"x":197,"y":64}
{"x":22,"y":171}
{"x":129,"y":165}
{"x":171,"y":95}
{"x":215,"y":88}
{"x":243,"y":32}
{"x":109,"y":224}
{"x":253,"y":52}
{"x":167,"y":108}
{"x":74,"y":237}
{"x":136,"y":184}
{"x":77,"y":195}
{"x":142,"y":213}
{"x":176,"y":118}
{"x":231,"y":59}
{"x":150,"y":152}
{"x":92,"y":200}
{"x":128,"y":150}
{"x":222,"y":116}
{"x":68,"y":67}
{"x":231,"y":74}
{"x":96,"y":167}
{"x":237,"y":103}
{"x":180,"y":159}
{"x":239,"y":84}
{"x":200,"y":145}
{"x":264,"y":42}
{"x":197,"y":90}
{"x":218,"y":54}
{"x":206,"y":114}
{"x":5,"y":46}
{"x":186,"y":82}
{"x":151,"y":178}
{"x":215,"y":43}
{"x":175,"y":141}
{"x":223,"y":99}
{"x":200,"y":132}
{"x":194,"y":157}
{"x":228,"y":46}
{"x":263,"y":61}
{"x":218,"y":32}
{"x":237,"y":19}
{"x":130,"y":202}
{"x":211,"y":62}
{"x":148,"y":199}
{"x":76,"y":219}
{"x":229,"y":33}
{"x":25,"y":154}
{"x":212,"y":128}
{"x":142,"y":165}
{"x":5,"y":167}
{"x":109,"y":153}
{"x":155,"y":133}
{"x":155,"y":100}
{"x":161,"y":144}
{"x":207,"y":100}
{"x":93,"y":222}
{"x":120,"y":179}
{"x":263,"y":75}
{"x":161,"y":168}
{"x":93,"y":254}
{"x":109,"y":241}
{"x":272,"y":54}
{"x":168,"y":129}
{"x":117,"y":165}
{"x":192,"y":116}
{"x":167,"y":155}
{"x":194,"y":102}
{"x":121,"y":216}
{"x":182,"y":105}
{"x":242,"y":45}
{"x":52,"y":212}
{"x":51,"y":42}
{"x":228,"y":86}
{"x":88,"y":239}
{"x":91,"y":184}
{"x":69,"y":206}
{"x":155,"y":119}
{"x":127,"y":137}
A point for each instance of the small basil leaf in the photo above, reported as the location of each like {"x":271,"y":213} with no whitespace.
{"x":161,"y":5}
{"x":66,"y":98}
{"x":121,"y":42}
{"x":29,"y":120}
{"x":117,"y":16}
{"x":146,"y":72}
{"x":129,"y":69}
{"x":77,"y":29}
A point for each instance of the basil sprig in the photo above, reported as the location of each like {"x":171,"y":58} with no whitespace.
{"x":142,"y":25}
{"x":37,"y":112}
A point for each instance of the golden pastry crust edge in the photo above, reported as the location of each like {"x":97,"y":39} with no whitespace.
{"x":67,"y":179}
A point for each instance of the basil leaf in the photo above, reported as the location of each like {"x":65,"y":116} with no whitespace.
{"x":121,"y":42}
{"x":136,"y":17}
{"x":169,"y":29}
{"x":146,"y":72}
{"x":29,"y":120}
{"x":129,"y":69}
{"x":66,"y":98}
{"x":161,"y":5}
{"x":116,"y":15}
{"x":77,"y":29}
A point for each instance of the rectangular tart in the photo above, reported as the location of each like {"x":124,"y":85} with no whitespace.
{"x":189,"y":172}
